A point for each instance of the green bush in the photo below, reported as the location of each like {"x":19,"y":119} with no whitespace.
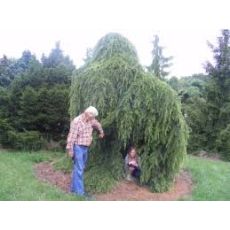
{"x":223,"y":142}
{"x":98,"y":178}
{"x":196,"y":112}
{"x":28,"y":140}
{"x":5,"y":127}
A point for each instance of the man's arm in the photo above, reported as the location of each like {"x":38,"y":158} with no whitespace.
{"x":96,"y":124}
{"x":72,"y":136}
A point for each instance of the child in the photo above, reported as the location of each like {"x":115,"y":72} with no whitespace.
{"x":132,"y":164}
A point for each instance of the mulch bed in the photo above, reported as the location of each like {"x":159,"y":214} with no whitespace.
{"x":125,"y":190}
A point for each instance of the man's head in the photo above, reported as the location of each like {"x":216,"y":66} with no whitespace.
{"x":91,"y":112}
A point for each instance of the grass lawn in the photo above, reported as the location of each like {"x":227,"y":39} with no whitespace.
{"x":18,"y":181}
{"x":211,"y":179}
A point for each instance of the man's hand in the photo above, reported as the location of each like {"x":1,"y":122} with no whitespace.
{"x":69,"y":153}
{"x":101,"y":135}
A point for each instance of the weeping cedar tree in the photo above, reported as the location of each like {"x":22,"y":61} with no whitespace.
{"x":134,"y":108}
{"x":159,"y":62}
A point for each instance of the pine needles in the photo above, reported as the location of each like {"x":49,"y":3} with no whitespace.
{"x":134,"y":108}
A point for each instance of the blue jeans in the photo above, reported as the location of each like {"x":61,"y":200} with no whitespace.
{"x":80,"y":159}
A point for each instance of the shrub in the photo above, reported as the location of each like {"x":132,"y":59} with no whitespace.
{"x":28,"y":140}
{"x":223,"y":142}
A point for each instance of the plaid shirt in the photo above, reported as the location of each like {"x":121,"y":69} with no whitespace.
{"x":81,"y":132}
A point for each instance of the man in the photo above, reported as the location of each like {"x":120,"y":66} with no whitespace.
{"x":78,"y":142}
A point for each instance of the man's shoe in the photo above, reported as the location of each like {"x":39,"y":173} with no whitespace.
{"x":89,"y":197}
{"x":129,"y":178}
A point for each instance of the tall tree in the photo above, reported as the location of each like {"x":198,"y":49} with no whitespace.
{"x":89,"y":55}
{"x":37,"y":97}
{"x":191,"y":90}
{"x":159,"y":63}
{"x":57,"y":58}
{"x":218,"y":91}
{"x":11,"y":68}
{"x":134,"y":108}
{"x":7,"y":71}
{"x":46,"y":110}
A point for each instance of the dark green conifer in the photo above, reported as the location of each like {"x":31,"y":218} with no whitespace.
{"x":134,"y":108}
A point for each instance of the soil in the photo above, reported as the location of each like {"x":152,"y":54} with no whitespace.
{"x":124,"y":191}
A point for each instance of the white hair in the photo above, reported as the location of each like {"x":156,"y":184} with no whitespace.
{"x":92,"y":110}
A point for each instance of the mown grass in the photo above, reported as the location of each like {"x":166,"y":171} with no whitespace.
{"x":18,"y":180}
{"x":211,"y":179}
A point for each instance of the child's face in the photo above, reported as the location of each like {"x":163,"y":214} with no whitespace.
{"x":132,"y":153}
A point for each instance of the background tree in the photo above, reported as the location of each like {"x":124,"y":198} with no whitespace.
{"x":37,"y":100}
{"x":7,"y":71}
{"x":11,"y":68}
{"x":159,"y":63}
{"x":89,"y":55}
{"x":134,"y":108}
{"x":218,"y":95}
{"x":191,"y":91}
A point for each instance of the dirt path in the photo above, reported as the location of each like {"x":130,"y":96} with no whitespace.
{"x":125,"y":190}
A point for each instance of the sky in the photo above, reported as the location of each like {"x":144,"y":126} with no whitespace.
{"x":184,"y":27}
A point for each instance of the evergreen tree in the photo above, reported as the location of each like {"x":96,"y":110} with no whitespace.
{"x":134,"y":108}
{"x":218,"y":93}
{"x":174,"y":83}
{"x":4,"y":116}
{"x":42,"y":94}
{"x":23,"y":63}
{"x":7,"y":72}
{"x":191,"y":90}
{"x":11,"y":68}
{"x":56,"y":58}
{"x":89,"y":55}
{"x":37,"y":99}
{"x":159,"y":62}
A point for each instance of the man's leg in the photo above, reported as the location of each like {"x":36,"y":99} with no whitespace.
{"x":85,"y":155}
{"x":78,"y":170}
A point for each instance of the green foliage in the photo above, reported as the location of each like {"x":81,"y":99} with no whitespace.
{"x":191,"y":91}
{"x":56,"y":59}
{"x":6,"y":72}
{"x":206,"y":101}
{"x":5,"y":128}
{"x":96,"y":174}
{"x":98,"y":178}
{"x":11,"y":68}
{"x":159,"y":62}
{"x":4,"y":113}
{"x":4,"y":102}
{"x":134,"y":108}
{"x":174,"y":83}
{"x":28,"y":140}
{"x":63,"y":164}
{"x":196,"y":112}
{"x":45,"y":110}
{"x":36,"y":98}
{"x":116,"y":46}
{"x":218,"y":93}
{"x":223,"y":143}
